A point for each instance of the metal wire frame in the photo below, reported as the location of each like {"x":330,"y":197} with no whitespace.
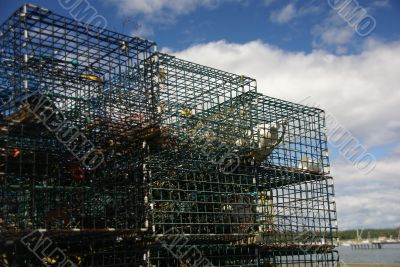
{"x":238,"y":255}
{"x":94,"y":79}
{"x":202,"y":107}
{"x":166,"y":127}
{"x":298,"y":258}
{"x":204,"y":255}
{"x":300,"y":142}
{"x":298,"y":209}
{"x":97,"y":82}
{"x":98,"y":249}
{"x":197,"y":104}
{"x":200,"y":204}
{"x":44,"y":187}
{"x":125,"y":254}
{"x":283,"y":207}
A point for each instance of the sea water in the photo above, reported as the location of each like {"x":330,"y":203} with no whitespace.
{"x":388,"y":254}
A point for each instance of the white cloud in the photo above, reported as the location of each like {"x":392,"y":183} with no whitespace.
{"x":161,"y":12}
{"x":143,"y":30}
{"x":170,"y":8}
{"x":381,"y":3}
{"x":333,"y":32}
{"x":369,"y":210}
{"x":396,"y":150}
{"x":361,"y":91}
{"x":134,"y":7}
{"x":368,"y":200}
{"x":291,"y":12}
{"x":269,"y":2}
{"x":284,"y":15}
{"x":337,"y":35}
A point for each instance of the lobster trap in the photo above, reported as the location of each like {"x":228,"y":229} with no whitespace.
{"x":124,"y":156}
{"x":201,"y":204}
{"x":96,"y":78}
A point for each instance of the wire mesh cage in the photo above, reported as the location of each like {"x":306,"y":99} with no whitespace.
{"x":297,"y":209}
{"x":291,"y":136}
{"x":299,"y":258}
{"x":204,"y":255}
{"x":70,"y":96}
{"x":199,"y":105}
{"x":116,"y":249}
{"x":124,"y":156}
{"x":202,"y":204}
{"x":96,"y":79}
{"x":44,"y":187}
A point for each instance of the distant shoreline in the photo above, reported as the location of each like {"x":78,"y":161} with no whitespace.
{"x":371,"y":265}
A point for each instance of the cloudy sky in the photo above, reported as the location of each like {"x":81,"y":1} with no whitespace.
{"x":294,"y":49}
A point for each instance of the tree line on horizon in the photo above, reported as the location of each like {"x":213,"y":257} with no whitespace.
{"x":369,"y":233}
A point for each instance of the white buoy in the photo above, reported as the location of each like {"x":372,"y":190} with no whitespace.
{"x":309,"y":165}
{"x":266,"y":137}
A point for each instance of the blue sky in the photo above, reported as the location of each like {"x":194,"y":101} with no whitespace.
{"x":237,"y":21}
{"x":294,"y":49}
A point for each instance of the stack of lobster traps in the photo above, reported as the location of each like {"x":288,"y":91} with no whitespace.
{"x":113,"y":154}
